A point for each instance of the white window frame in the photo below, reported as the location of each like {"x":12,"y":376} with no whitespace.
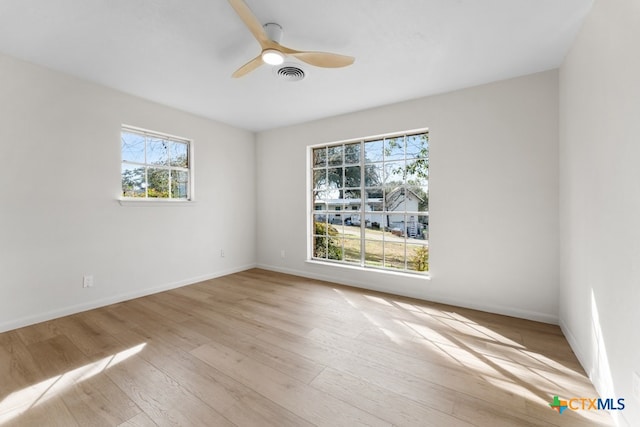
{"x":361,"y":211}
{"x":124,"y":200}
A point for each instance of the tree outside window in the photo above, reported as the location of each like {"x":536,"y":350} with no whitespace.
{"x":155,"y":166}
{"x":371,"y":202}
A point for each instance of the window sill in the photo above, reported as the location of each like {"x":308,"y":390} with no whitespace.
{"x":422,"y":276}
{"x":154,"y":202}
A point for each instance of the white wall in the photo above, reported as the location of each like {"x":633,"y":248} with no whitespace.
{"x":59,"y":180}
{"x":600,"y":199}
{"x":493,"y":196}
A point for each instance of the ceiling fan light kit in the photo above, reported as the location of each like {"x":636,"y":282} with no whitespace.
{"x":272,"y":57}
{"x":273,"y":53}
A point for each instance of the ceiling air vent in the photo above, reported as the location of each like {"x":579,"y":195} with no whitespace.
{"x":290,"y":73}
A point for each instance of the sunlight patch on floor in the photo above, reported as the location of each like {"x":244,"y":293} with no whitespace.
{"x":552,"y":364}
{"x":29,"y":397}
{"x":503,"y":361}
{"x":378,"y":300}
{"x":347,"y":299}
{"x":426,"y":332}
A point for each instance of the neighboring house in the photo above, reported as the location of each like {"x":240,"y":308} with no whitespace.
{"x":399,"y":200}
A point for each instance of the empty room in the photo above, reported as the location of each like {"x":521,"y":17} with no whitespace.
{"x":298,"y":213}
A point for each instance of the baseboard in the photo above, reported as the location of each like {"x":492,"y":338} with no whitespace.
{"x":506,"y":311}
{"x":90,"y":305}
{"x":577,"y":349}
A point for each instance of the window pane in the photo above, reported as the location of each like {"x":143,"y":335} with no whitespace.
{"x":320,"y":225}
{"x":320,"y":179}
{"x":334,"y":155}
{"x":417,"y":171}
{"x":374,"y":234}
{"x":417,"y":146}
{"x":422,"y":196}
{"x":394,"y":149}
{"x":352,"y":250}
{"x":394,"y":172}
{"x":335,"y":249}
{"x":179,"y":184}
{"x":355,"y":217}
{"x":373,"y":151}
{"x":397,"y":223}
{"x":374,"y":203}
{"x":157,"y":151}
{"x":352,"y":204}
{"x":373,"y":253}
{"x":422,"y":227}
{"x":158,"y":183}
{"x":352,"y":176}
{"x":413,"y":227}
{"x":352,"y":153}
{"x":319,"y":157}
{"x":352,"y":199}
{"x":352,"y":227}
{"x":418,"y":257}
{"x":133,"y":183}
{"x":394,"y":256}
{"x":179,"y":154}
{"x":395,"y":200}
{"x":319,"y":201}
{"x":132,"y":147}
{"x":373,"y":175}
{"x":320,"y":246}
{"x":336,"y":227}
{"x":374,"y":199}
{"x":424,"y":221}
{"x":334,"y":177}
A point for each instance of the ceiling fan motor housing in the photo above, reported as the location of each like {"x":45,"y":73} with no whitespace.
{"x":274,"y":31}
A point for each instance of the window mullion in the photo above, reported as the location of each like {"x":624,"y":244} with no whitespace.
{"x":363,"y":220}
{"x":384,"y":201}
{"x":146,"y":182}
{"x":406,"y":191}
{"x":146,"y":166}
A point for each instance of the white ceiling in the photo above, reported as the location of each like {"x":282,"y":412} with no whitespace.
{"x":182,"y":53}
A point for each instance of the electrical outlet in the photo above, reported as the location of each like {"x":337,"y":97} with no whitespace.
{"x":636,"y":386}
{"x":87,"y":282}
{"x":221,"y":253}
{"x":282,"y":254}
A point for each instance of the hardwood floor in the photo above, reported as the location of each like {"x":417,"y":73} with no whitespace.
{"x":259,"y":348}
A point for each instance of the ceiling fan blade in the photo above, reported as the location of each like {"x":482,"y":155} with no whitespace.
{"x":322,"y":59}
{"x":248,"y":67}
{"x":251,"y":22}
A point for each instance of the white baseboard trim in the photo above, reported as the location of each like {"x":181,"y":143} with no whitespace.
{"x":506,"y":311}
{"x":90,"y":305}
{"x":577,"y":349}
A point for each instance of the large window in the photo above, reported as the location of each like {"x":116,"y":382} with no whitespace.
{"x":155,"y":166}
{"x":370,"y":202}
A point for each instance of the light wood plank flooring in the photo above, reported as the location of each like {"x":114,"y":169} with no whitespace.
{"x":259,"y":348}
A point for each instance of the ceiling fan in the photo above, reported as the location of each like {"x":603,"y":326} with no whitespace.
{"x":273,"y":53}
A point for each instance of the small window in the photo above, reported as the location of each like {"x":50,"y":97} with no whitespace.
{"x":155,"y":166}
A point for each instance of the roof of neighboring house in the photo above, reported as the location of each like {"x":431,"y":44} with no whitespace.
{"x":395,"y":190}
{"x":375,"y":200}
{"x":347,"y":201}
